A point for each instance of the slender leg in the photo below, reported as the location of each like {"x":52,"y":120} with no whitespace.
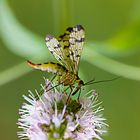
{"x":45,"y":87}
{"x":51,"y":81}
{"x":69,"y":95}
{"x":79,"y":94}
{"x":77,"y":88}
{"x":66,"y":89}
{"x":54,"y":77}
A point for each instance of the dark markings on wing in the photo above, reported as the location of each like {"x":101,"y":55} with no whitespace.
{"x":64,"y":41}
{"x":55,"y":48}
{"x":77,"y":38}
{"x":67,"y":49}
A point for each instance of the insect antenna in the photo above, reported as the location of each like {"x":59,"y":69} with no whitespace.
{"x":100,"y":81}
{"x":89,"y":82}
{"x":92,"y":82}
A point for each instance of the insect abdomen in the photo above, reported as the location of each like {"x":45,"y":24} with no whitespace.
{"x":49,"y":67}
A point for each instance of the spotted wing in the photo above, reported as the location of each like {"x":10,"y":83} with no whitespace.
{"x":76,"y":41}
{"x":68,"y":48}
{"x":64,"y":42}
{"x":60,"y":49}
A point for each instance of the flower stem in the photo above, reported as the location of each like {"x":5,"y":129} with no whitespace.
{"x":13,"y":73}
{"x":61,"y":15}
{"x":110,"y":65}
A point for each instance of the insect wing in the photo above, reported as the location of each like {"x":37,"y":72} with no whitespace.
{"x":60,"y":49}
{"x":76,"y":40}
{"x":64,"y":42}
{"x":55,"y":48}
{"x":68,"y":48}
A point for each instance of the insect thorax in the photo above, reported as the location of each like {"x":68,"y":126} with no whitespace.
{"x":65,"y":77}
{"x":68,"y":78}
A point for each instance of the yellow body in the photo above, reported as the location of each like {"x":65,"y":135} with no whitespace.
{"x":65,"y":77}
{"x":67,"y":50}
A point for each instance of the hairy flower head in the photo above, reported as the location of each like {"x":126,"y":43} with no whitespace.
{"x":52,"y":116}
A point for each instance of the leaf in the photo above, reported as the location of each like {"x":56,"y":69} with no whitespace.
{"x":110,"y":65}
{"x":124,"y":43}
{"x":13,"y":73}
{"x":17,"y":38}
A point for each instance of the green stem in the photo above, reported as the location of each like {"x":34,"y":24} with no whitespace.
{"x":13,"y":73}
{"x":111,"y":65}
{"x":17,"y":38}
{"x":61,"y":15}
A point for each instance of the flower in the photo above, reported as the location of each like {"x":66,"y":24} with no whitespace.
{"x":55,"y":116}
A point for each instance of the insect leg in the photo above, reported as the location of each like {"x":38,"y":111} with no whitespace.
{"x":69,"y":95}
{"x":46,"y":86}
{"x":79,"y":94}
{"x":66,"y":89}
{"x":77,"y":88}
{"x":54,"y":77}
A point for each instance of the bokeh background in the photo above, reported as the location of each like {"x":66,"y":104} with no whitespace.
{"x":112,"y":49}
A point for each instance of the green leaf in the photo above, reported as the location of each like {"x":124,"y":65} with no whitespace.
{"x":17,"y":38}
{"x":13,"y":73}
{"x":127,"y":39}
{"x":110,"y":65}
{"x":124,"y":43}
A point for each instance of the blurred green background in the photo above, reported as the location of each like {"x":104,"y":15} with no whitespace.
{"x":112,"y":49}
